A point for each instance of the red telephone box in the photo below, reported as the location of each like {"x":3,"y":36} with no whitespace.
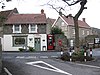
{"x":50,"y":42}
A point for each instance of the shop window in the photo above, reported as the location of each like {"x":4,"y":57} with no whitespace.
{"x":19,"y":41}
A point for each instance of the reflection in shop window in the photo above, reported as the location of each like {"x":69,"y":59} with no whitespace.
{"x":19,"y":41}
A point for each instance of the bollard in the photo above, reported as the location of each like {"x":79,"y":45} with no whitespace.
{"x":85,"y":55}
{"x":61,"y":53}
{"x":70,"y":53}
{"x":90,"y":52}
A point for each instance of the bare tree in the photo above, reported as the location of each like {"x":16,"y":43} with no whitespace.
{"x":3,"y":4}
{"x":75,"y":18}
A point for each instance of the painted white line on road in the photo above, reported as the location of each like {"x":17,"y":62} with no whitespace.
{"x":43,"y":56}
{"x":6,"y":70}
{"x":7,"y":57}
{"x":54,"y":56}
{"x":20,"y":57}
{"x":34,"y":57}
{"x":35,"y":63}
{"x":27,"y":57}
{"x":91,"y":66}
{"x":20,"y":53}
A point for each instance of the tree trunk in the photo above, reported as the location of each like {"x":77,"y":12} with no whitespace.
{"x":77,"y":47}
{"x":76,"y":34}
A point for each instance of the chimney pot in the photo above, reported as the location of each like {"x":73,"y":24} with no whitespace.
{"x":42,"y":11}
{"x":84,"y":20}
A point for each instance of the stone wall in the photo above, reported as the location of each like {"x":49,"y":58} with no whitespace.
{"x":64,"y":42}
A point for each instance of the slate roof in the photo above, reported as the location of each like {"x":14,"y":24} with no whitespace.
{"x":26,"y":18}
{"x":70,"y":21}
{"x":5,"y":14}
{"x":50,"y":21}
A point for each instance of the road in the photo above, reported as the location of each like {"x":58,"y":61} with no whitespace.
{"x":45,"y":63}
{"x":31,"y":54}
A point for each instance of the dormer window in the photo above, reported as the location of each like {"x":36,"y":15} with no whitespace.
{"x":17,"y":28}
{"x":32,"y":28}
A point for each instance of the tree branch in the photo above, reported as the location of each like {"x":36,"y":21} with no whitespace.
{"x":81,"y":9}
{"x":73,"y":3}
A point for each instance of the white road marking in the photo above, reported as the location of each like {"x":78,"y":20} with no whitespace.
{"x":23,"y":57}
{"x":6,"y":70}
{"x":54,"y":56}
{"x":46,"y":68}
{"x":7,"y":57}
{"x":91,"y":66}
{"x":43,"y":56}
{"x":31,"y":57}
{"x":20,"y":53}
{"x":20,"y":57}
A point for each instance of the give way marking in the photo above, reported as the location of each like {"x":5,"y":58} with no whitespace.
{"x":46,"y":66}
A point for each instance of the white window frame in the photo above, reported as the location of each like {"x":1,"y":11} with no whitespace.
{"x":71,"y":43}
{"x":62,"y":23}
{"x":30,"y":31}
{"x":73,"y":31}
{"x":88,"y":32}
{"x":83,"y":32}
{"x":14,"y":31}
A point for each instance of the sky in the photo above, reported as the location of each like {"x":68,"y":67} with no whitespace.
{"x":92,"y":13}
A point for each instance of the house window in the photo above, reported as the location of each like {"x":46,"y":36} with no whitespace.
{"x":19,"y":40}
{"x":83,"y":32}
{"x":62,"y":23}
{"x":16,"y":28}
{"x":88,"y":32}
{"x":73,"y":31}
{"x":71,"y":43}
{"x":32,"y":28}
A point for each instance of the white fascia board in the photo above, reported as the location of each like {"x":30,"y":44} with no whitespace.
{"x":64,"y":20}
{"x":58,"y":19}
{"x":55,"y":22}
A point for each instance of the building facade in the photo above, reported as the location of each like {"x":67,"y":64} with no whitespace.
{"x":67,"y":26}
{"x":25,"y":30}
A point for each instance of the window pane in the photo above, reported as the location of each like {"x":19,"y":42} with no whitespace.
{"x":33,"y":27}
{"x":73,"y":31}
{"x":19,"y":41}
{"x":87,"y":32}
{"x":83,"y":32}
{"x":62,"y":23}
{"x":16,"y":27}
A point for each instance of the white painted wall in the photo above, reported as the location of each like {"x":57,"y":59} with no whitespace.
{"x":30,"y":42}
{"x":43,"y":43}
{"x":8,"y":42}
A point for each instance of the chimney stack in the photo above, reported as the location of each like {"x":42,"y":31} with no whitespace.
{"x":60,"y":13}
{"x":84,"y":20}
{"x":70,"y":15}
{"x":42,"y":11}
